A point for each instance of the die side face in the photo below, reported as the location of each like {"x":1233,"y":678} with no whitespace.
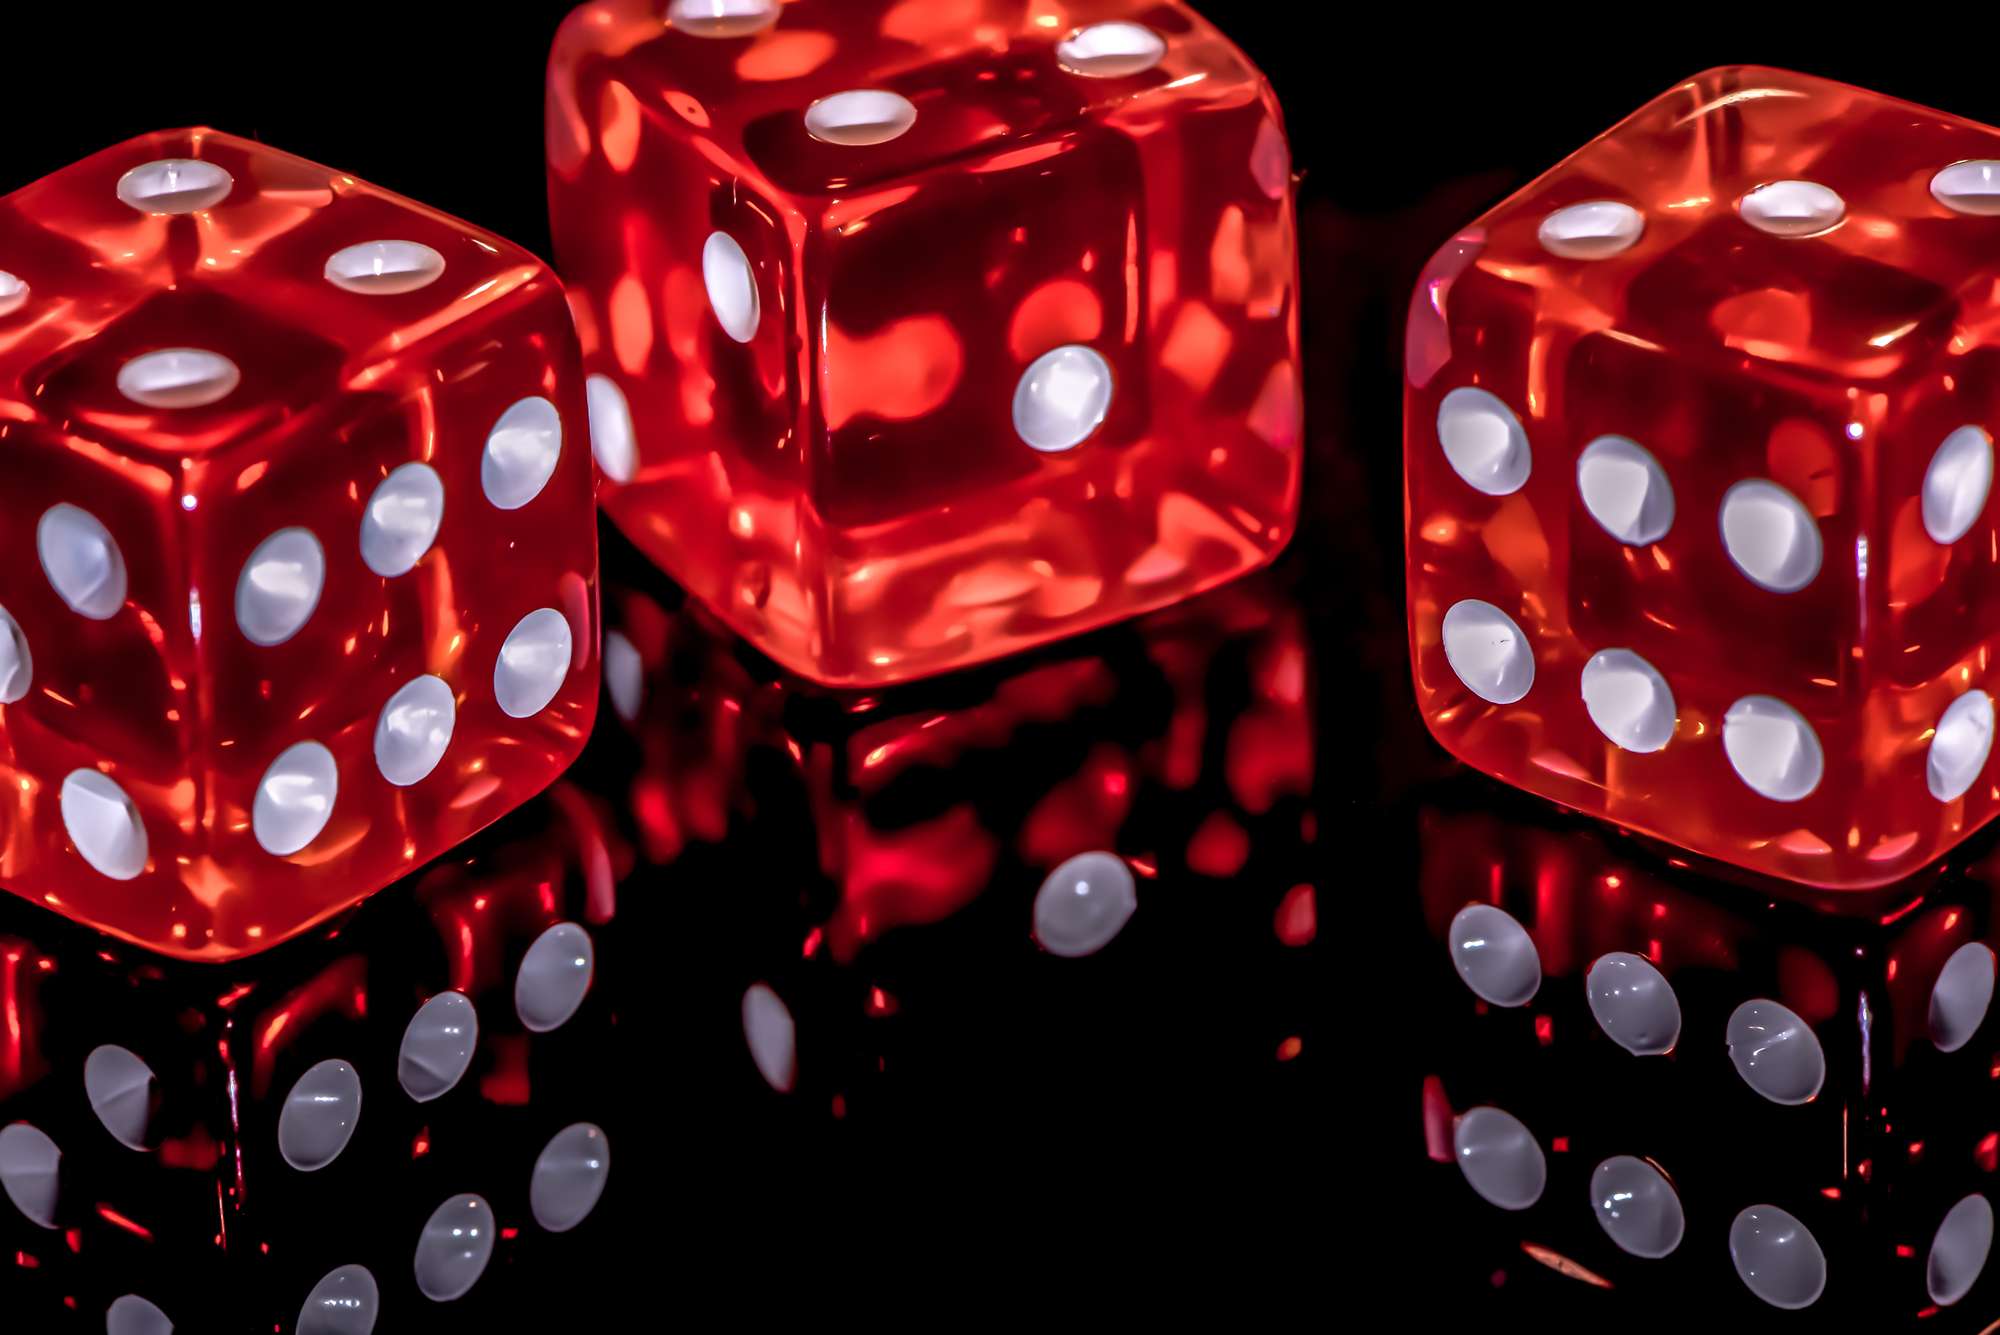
{"x":1698,"y":440}
{"x":927,"y":351}
{"x":283,"y":509}
{"x":1855,"y":1104}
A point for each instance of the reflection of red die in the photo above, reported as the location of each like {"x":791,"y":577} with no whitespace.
{"x":302,"y":562}
{"x":920,"y":332}
{"x":1698,"y":452}
{"x":1843,"y":1064}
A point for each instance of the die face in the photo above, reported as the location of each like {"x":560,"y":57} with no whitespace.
{"x":1680,"y":402}
{"x":269,"y":589}
{"x":790,"y":342}
{"x":1871,"y":1152}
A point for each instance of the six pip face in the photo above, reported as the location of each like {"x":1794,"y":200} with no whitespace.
{"x":304,"y":585}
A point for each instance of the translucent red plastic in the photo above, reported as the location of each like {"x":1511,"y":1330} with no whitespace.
{"x":1824,"y":339}
{"x":846,"y":486}
{"x":166,"y":694}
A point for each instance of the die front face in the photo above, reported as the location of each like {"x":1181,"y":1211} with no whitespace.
{"x":1697,"y":456}
{"x":910,"y":344}
{"x":304,"y":559}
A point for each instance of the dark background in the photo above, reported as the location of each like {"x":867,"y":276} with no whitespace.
{"x":1160,"y":1181}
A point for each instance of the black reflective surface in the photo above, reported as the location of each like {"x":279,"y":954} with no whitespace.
{"x":1220,"y":1114}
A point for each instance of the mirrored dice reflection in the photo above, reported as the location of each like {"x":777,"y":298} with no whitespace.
{"x":298,"y":1141}
{"x":1743,"y":1102}
{"x":1059,"y":822}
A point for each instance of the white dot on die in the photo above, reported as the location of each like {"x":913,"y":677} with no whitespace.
{"x":120,"y":1087}
{"x":1956,"y":484}
{"x":1637,"y":1207}
{"x":860,"y":117}
{"x":1959,"y":1250}
{"x":402,"y":519}
{"x":1772,"y":748}
{"x":1594,"y":230}
{"x":1111,"y":50}
{"x":1961,"y":996}
{"x":13,"y":293}
{"x":346,"y":1301}
{"x":771,"y":1036}
{"x":1959,"y":748}
{"x":1084,"y":904}
{"x":1777,"y":1257}
{"x":414,"y":729}
{"x":1628,"y":700}
{"x":1494,"y":955}
{"x":732,"y":286}
{"x":533,"y":661}
{"x":133,"y":1315}
{"x":1483,"y":441}
{"x":1792,"y":208}
{"x":1062,"y":398}
{"x":624,"y":675}
{"x":17,"y":663}
{"x":612,"y":442}
{"x":1776,"y":1052}
{"x":521,"y":453}
{"x":454,"y":1248}
{"x":554,"y":977}
{"x":82,"y":561}
{"x":1770,"y":535}
{"x":384,"y":268}
{"x":280,"y":586}
{"x":1625,"y":490}
{"x":1488,"y":652}
{"x":295,"y":798}
{"x":1969,"y":187}
{"x":178,"y":378}
{"x":1499,"y":1158}
{"x":174,"y":185}
{"x":721,"y":18}
{"x":31,"y":1172}
{"x":104,"y":824}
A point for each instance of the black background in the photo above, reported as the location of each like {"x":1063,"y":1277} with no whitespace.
{"x":1180,"y":1192}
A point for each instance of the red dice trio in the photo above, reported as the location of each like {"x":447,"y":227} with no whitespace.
{"x":1698,"y":453}
{"x":923,"y":331}
{"x":301,"y":561}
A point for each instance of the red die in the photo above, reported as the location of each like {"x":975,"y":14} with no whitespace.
{"x":1698,"y":450}
{"x":302,"y":562}
{"x":922,"y":332}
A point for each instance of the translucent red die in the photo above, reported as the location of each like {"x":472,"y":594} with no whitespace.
{"x":1698,"y":455}
{"x":920,"y":332}
{"x":301,"y":561}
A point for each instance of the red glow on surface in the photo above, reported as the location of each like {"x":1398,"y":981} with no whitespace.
{"x":25,"y":1261}
{"x":111,"y":1216}
{"x":1545,"y":1030}
{"x":880,"y":1003}
{"x":1831,"y":1193}
{"x":509,"y":1234}
{"x":339,"y":989}
{"x":1902,"y":912}
{"x":1219,"y":847}
{"x":1437,"y":1121}
{"x":1987,"y":1152}
{"x":1904,"y":1250}
{"x":839,"y":1106}
{"x":507,"y":1083}
{"x":1560,"y":1144}
{"x":1297,"y":920}
{"x":1562,"y":1265}
{"x":1290,"y":1048}
{"x":421,"y":1145}
{"x":811,"y":947}
{"x":196,"y":1150}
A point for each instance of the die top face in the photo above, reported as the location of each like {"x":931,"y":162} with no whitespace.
{"x":1698,"y":462}
{"x":197,"y":242}
{"x":1812,"y":227}
{"x":917,"y":82}
{"x":880,"y":454}
{"x":303,"y":568}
